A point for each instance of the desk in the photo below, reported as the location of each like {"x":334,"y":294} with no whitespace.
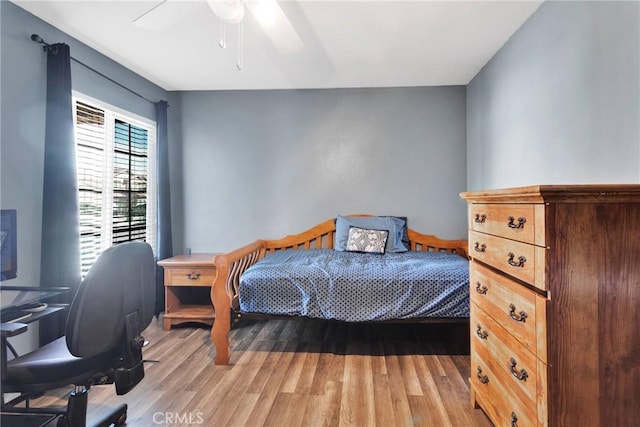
{"x":16,"y":296}
{"x":12,"y":297}
{"x":194,"y":270}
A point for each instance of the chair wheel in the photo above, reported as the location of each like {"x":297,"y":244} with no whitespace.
{"x":122,"y":420}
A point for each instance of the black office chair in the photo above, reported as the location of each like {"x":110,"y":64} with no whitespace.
{"x":102,"y":345}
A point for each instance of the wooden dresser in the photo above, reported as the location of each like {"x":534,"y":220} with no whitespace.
{"x":555,"y":305}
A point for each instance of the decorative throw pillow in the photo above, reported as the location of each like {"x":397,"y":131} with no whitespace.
{"x":363,"y":240}
{"x":393,"y":224}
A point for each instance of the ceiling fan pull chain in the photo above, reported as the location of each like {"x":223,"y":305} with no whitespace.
{"x":223,"y":35}
{"x":240,"y":64}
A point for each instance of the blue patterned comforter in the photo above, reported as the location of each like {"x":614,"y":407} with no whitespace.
{"x":357,"y":287}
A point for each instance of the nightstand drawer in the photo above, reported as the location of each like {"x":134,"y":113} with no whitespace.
{"x":521,"y":260}
{"x":513,"y":221}
{"x":196,"y":276}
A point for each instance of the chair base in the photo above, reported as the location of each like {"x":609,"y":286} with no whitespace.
{"x":74,"y":415}
{"x":13,"y":419}
{"x":117,"y":417}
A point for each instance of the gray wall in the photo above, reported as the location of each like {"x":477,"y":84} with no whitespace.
{"x":264,"y":164}
{"x":23,"y":89}
{"x":560,"y":102}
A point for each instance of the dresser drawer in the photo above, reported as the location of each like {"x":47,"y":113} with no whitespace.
{"x":521,"y":260}
{"x":514,"y":364}
{"x":516,"y":221}
{"x":497,"y":400}
{"x":196,"y":276}
{"x":510,"y":304}
{"x":513,"y":221}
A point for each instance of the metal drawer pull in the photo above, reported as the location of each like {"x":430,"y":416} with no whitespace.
{"x":520,"y":223}
{"x":514,"y":420}
{"x":522,"y":375}
{"x":480,"y":247}
{"x":482,"y":334}
{"x":193,"y":276}
{"x":520,"y":263}
{"x":481,"y":289}
{"x":483,"y":378}
{"x":520,"y":317}
{"x":480,"y":219}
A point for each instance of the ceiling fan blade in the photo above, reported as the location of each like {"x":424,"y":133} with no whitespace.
{"x":164,"y":14}
{"x":276,"y":25}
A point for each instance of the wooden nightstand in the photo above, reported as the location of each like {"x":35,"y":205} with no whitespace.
{"x":180,"y":273}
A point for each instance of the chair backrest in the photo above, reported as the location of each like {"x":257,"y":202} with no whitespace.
{"x":120,"y":282}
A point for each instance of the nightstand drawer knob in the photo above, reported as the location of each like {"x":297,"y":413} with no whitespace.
{"x":520,"y":224}
{"x":480,"y":247}
{"x":193,"y":276}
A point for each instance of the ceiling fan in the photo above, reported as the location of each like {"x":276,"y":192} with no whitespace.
{"x":267,"y":13}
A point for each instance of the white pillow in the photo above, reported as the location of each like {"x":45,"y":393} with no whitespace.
{"x":364,"y":240}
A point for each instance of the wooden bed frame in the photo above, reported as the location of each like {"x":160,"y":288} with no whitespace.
{"x":230,"y":266}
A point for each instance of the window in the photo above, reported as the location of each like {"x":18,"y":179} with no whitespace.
{"x":115,"y":153}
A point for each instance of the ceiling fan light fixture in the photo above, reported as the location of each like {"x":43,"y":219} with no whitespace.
{"x":231,"y":11}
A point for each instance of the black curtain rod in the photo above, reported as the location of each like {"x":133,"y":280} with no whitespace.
{"x":36,"y":38}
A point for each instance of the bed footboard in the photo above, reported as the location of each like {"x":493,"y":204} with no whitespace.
{"x":224,"y":292}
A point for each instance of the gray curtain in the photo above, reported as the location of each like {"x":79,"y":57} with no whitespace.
{"x":165,"y":243}
{"x":60,"y":256}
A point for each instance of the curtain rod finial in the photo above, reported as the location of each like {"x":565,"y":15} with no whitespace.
{"x":36,"y":38}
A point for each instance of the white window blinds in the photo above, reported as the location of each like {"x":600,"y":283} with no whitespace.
{"x":115,"y":154}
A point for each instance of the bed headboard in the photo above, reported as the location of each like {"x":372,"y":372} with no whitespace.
{"x":323,"y":234}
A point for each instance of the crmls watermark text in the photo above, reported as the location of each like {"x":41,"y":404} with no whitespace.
{"x":182,"y":418}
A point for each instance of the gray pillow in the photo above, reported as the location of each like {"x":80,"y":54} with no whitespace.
{"x":405,"y":231}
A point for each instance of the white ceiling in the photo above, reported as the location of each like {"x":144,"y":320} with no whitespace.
{"x":346,"y":43}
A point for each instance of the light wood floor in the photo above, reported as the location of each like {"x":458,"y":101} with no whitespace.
{"x":301,"y":372}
